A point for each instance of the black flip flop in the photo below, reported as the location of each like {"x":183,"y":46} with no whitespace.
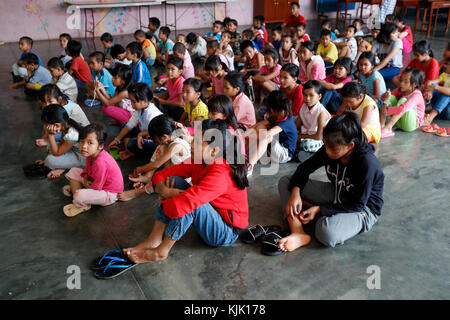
{"x":114,"y":269}
{"x":36,"y":170}
{"x":101,"y":262}
{"x":270,"y":243}
{"x":257,"y":232}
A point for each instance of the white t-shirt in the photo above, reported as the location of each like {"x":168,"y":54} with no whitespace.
{"x":382,"y":52}
{"x":76,"y":113}
{"x":141,"y":118}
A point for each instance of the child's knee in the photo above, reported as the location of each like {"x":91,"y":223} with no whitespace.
{"x":325,"y":234}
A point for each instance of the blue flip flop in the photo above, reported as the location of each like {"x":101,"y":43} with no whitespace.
{"x":101,"y":262}
{"x":114,"y":269}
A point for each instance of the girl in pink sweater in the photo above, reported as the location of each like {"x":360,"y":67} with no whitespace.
{"x":312,"y":67}
{"x":100,"y":181}
{"x":408,"y":113}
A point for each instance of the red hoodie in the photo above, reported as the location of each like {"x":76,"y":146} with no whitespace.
{"x":211,"y":184}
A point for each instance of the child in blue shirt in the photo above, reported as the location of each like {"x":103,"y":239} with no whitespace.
{"x":99,"y":73}
{"x":140,"y":70}
{"x":37,"y":75}
{"x":279,"y":122}
{"x":216,"y":32}
{"x":165,"y":45}
{"x":19,"y":71}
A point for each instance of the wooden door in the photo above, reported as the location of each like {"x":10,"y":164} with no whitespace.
{"x":272,"y":10}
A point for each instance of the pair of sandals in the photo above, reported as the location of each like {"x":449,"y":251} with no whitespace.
{"x":434,"y":128}
{"x":112,"y":264}
{"x":268,"y":236}
{"x":36,"y":170}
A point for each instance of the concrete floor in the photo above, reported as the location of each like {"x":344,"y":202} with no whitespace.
{"x":410,"y":242}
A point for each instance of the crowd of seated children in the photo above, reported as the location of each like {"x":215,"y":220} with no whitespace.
{"x":309,"y":94}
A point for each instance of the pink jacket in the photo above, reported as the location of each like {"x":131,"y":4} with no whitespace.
{"x":415,"y":100}
{"x":315,"y":70}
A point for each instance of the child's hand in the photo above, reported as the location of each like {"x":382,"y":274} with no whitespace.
{"x":294,"y":205}
{"x":113,"y":143}
{"x":384,"y":111}
{"x":385,"y":95}
{"x":140,"y":141}
{"x":309,"y":214}
{"x":427,"y":95}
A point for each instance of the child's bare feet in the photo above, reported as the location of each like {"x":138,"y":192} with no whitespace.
{"x":128,"y":195}
{"x":143,"y":255}
{"x":125,"y":154}
{"x":56,"y":173}
{"x":41,"y":142}
{"x":142,"y":178}
{"x":293,"y":241}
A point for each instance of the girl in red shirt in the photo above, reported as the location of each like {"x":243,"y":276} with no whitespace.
{"x":216,"y":203}
{"x":288,"y":84}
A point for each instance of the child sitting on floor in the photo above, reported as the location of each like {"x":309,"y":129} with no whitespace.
{"x":101,"y":179}
{"x":333,"y":84}
{"x":300,"y":35}
{"x":62,"y":79}
{"x":194,"y":108}
{"x":268,"y":78}
{"x":440,"y":100}
{"x":289,"y":85}
{"x":327,"y":49}
{"x":171,"y":150}
{"x":165,"y":45}
{"x":312,"y":67}
{"x":226,"y":49}
{"x":348,"y":204}
{"x":79,"y":69}
{"x":141,"y":97}
{"x":148,"y":48}
{"x":408,"y":107}
{"x":100,"y":75}
{"x":311,"y":120}
{"x":216,"y":203}
{"x":64,"y":154}
{"x":234,"y":88}
{"x":121,"y":79}
{"x":19,"y":70}
{"x":172,"y":100}
{"x":372,"y":80}
{"x":356,"y":100}
{"x":140,"y":70}
{"x":279,"y":123}
{"x":217,"y":72}
{"x":288,"y":54}
{"x":347,"y":46}
{"x":37,"y":75}
{"x":216,"y":31}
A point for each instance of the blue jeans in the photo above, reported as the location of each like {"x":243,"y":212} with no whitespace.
{"x":331,"y":100}
{"x":389,"y":73}
{"x":148,"y":147}
{"x":208,"y":223}
{"x":441,"y":103}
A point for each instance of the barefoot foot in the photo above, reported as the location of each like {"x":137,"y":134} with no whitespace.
{"x":125,"y":154}
{"x":128,"y":195}
{"x":293,"y":241}
{"x":144,"y":255}
{"x":56,"y":173}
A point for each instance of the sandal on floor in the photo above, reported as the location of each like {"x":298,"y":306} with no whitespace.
{"x":36,"y":170}
{"x":270,"y":243}
{"x":443,"y":132}
{"x":113,"y":254}
{"x":257,"y":232}
{"x":385,"y":134}
{"x":67,"y":191}
{"x":72,"y":210}
{"x":431,"y":128}
{"x":113,"y":269}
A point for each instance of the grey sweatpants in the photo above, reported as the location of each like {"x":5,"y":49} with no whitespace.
{"x":333,"y":230}
{"x":68,"y":160}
